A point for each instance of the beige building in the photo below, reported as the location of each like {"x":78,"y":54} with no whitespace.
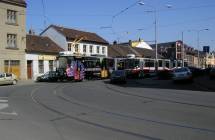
{"x":210,"y":60}
{"x":13,"y":37}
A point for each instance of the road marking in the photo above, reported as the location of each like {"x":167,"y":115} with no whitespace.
{"x":8,"y":113}
{"x":3,"y":101}
{"x":3,"y":105}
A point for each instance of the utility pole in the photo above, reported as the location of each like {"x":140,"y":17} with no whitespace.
{"x":198,"y":47}
{"x":183,"y":53}
{"x":156,"y":43}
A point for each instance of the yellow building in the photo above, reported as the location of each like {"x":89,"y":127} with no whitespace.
{"x":13,"y":37}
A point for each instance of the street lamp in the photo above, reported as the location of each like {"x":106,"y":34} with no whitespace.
{"x":183,"y":48}
{"x":198,"y":41}
{"x":156,"y":30}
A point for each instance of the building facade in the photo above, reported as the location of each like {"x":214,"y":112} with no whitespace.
{"x":41,"y":53}
{"x":180,"y":53}
{"x":13,"y":37}
{"x":77,"y":42}
{"x":210,"y":60}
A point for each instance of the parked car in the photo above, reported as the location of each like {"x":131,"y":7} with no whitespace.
{"x":196,"y":71}
{"x":182,"y":74}
{"x":207,"y":71}
{"x":8,"y":79}
{"x":50,"y":76}
{"x":164,"y":74}
{"x":212,"y":73}
{"x":118,"y":76}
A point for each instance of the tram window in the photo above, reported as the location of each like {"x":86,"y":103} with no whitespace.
{"x":167,"y":64}
{"x":97,"y":64}
{"x":149,"y":63}
{"x":120,"y":65}
{"x":174,"y":64}
{"x":160,"y":63}
{"x":179,"y":64}
{"x":137,"y":63}
{"x":110,"y":63}
{"x":62,"y":62}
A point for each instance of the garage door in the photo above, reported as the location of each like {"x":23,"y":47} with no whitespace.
{"x":12,"y":66}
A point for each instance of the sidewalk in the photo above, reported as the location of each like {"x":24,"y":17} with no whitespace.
{"x":25,"y":82}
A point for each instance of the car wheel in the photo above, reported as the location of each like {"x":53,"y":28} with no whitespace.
{"x":14,"y":82}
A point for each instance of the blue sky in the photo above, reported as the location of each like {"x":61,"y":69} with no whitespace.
{"x":91,"y":15}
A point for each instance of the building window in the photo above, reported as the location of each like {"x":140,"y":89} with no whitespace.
{"x":11,"y":41}
{"x":91,"y":49}
{"x":103,"y":50}
{"x":98,"y":49}
{"x":51,"y":65}
{"x":11,"y":16}
{"x":84,"y":48}
{"x":69,"y":46}
{"x":41,"y":66}
{"x":76,"y":48}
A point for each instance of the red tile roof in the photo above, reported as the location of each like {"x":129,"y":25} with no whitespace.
{"x":72,"y":34}
{"x":40,"y":44}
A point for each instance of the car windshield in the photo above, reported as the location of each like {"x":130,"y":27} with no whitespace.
{"x":1,"y":75}
{"x":181,"y":70}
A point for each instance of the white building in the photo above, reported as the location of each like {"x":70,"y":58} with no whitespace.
{"x":41,"y":53}
{"x":140,"y":44}
{"x":77,"y":42}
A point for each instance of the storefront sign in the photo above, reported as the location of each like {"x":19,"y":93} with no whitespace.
{"x":46,"y":57}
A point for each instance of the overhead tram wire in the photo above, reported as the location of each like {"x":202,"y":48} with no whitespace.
{"x":188,"y":8}
{"x":187,"y":22}
{"x":119,"y":13}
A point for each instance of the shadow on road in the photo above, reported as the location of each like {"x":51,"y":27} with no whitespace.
{"x":198,"y":84}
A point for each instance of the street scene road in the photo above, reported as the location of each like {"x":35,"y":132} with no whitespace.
{"x":94,"y":110}
{"x":107,"y":70}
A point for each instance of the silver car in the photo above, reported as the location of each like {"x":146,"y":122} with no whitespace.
{"x":8,"y":78}
{"x":180,"y":74}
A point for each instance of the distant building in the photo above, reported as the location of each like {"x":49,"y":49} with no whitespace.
{"x":206,"y":49}
{"x":41,"y":53}
{"x":125,"y":50}
{"x":178,"y":53}
{"x":138,"y":44}
{"x":76,"y":41}
{"x":13,"y":37}
{"x":210,"y":60}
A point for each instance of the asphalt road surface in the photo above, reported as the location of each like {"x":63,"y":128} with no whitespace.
{"x":97,"y":110}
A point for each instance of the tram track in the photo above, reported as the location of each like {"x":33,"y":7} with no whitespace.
{"x":98,"y":125}
{"x":117,"y":91}
{"x":96,"y":109}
